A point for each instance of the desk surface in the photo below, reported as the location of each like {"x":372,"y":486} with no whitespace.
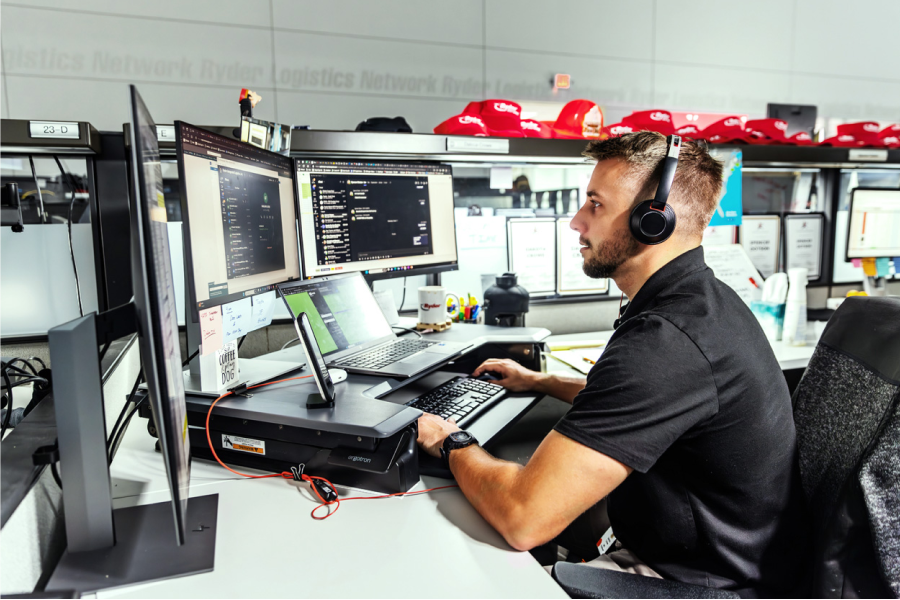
{"x":267,"y":545}
{"x":789,"y":357}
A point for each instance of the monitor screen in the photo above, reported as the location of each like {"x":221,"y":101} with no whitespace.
{"x":380,"y":218}
{"x":341,"y":309}
{"x":239,"y":216}
{"x":874,"y":230}
{"x":154,"y":299}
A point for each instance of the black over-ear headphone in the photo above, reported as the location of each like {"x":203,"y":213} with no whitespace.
{"x":653,"y":221}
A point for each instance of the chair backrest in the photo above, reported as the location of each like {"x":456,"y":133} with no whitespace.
{"x":847,"y":413}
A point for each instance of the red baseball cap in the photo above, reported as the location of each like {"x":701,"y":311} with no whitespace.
{"x":766,"y":131}
{"x":865,"y":132}
{"x":464,"y":124}
{"x":472,"y":108}
{"x":502,"y":118}
{"x":579,"y":119}
{"x":725,"y":131}
{"x":617,"y":129}
{"x":536,"y":129}
{"x":890,"y":136}
{"x":801,"y":138}
{"x":845,"y":140}
{"x":691,"y":131}
{"x":652,"y":120}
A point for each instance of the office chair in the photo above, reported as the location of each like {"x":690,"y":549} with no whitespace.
{"x":847,"y":414}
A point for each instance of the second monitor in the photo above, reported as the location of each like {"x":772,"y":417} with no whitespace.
{"x":384,"y":219}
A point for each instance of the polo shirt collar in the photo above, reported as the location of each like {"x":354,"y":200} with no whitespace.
{"x":677,"y":268}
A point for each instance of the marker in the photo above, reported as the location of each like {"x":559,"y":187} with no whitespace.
{"x":753,"y":282}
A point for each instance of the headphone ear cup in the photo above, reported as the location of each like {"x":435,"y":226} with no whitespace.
{"x":650,"y":226}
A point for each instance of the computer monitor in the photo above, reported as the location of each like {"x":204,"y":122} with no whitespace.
{"x":239,"y":212}
{"x":874,"y":229}
{"x":383,"y":219}
{"x":154,"y":300}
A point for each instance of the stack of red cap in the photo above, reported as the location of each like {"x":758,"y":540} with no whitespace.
{"x":579,"y":119}
{"x":801,"y":138}
{"x":725,"y":131}
{"x":766,"y":131}
{"x":532,"y":128}
{"x":689,"y":131}
{"x":854,"y":135}
{"x":617,"y":129}
{"x":651,"y":120}
{"x":890,"y":136}
{"x":499,"y":118}
{"x":464,"y":124}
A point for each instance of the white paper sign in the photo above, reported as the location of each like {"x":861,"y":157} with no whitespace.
{"x":721,"y":235}
{"x":761,"y":238}
{"x":219,"y":370}
{"x":263,"y":309}
{"x":236,"y":319}
{"x":570,"y":277}
{"x":732,"y":267}
{"x":532,"y":254}
{"x":501,"y":178}
{"x":481,"y":249}
{"x":54,"y":129}
{"x":165,"y":133}
{"x":803,"y":243}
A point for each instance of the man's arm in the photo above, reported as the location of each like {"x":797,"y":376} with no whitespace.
{"x":528,"y":505}
{"x":517,"y":378}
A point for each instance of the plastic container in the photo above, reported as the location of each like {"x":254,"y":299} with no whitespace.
{"x":795,"y":308}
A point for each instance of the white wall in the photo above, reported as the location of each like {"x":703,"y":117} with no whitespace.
{"x":331,"y":64}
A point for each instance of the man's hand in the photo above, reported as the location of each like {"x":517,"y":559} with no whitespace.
{"x":433,"y":430}
{"x":514,"y":376}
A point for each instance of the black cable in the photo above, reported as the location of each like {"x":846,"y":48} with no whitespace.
{"x":418,"y":333}
{"x":403,"y":298}
{"x":24,"y":362}
{"x":104,"y":349}
{"x":71,"y":247}
{"x":38,"y":187}
{"x":128,"y":401}
{"x":56,"y":474}
{"x":9,"y":406}
{"x":121,"y":432}
{"x":43,"y":364}
{"x":190,"y":358}
{"x":241,"y":342}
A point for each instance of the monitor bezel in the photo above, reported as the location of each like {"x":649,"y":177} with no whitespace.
{"x":192,"y":303}
{"x":847,"y":257}
{"x":149,"y":327}
{"x":416,"y":270}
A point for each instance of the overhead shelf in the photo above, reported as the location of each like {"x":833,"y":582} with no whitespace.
{"x":20,"y":136}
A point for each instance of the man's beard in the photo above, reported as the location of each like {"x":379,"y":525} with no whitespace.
{"x":605,"y":259}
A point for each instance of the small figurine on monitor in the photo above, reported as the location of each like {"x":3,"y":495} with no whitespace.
{"x":248,"y":101}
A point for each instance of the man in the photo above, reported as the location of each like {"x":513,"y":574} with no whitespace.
{"x":684,"y":423}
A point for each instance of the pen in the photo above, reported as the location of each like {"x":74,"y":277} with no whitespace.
{"x":753,"y":282}
{"x":587,"y":360}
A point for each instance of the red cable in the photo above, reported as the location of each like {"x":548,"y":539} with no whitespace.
{"x":304,"y":477}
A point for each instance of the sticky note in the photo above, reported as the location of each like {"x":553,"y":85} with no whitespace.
{"x":857,"y":262}
{"x":210,"y":330}
{"x":882,"y":267}
{"x":236,"y":319}
{"x":263,"y":309}
{"x":868,"y":265}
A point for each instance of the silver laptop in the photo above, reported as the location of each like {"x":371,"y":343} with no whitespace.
{"x":354,"y":334}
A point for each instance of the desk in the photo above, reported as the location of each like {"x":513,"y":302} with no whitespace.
{"x":432,"y":545}
{"x":789,"y":357}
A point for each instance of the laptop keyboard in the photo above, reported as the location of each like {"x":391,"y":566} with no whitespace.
{"x":461,"y":397}
{"x":386,"y":354}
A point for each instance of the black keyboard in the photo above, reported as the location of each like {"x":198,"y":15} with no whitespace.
{"x":386,"y":354}
{"x":461,"y":397}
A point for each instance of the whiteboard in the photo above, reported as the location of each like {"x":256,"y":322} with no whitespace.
{"x":570,"y":277}
{"x":532,"y":254}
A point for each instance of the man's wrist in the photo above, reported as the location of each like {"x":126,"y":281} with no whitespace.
{"x":541,"y":382}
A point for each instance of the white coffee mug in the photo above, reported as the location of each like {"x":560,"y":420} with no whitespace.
{"x":433,"y":304}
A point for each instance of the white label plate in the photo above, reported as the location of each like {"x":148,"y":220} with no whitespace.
{"x":478,"y":144}
{"x":54,"y":129}
{"x":165,"y":133}
{"x":869,"y":155}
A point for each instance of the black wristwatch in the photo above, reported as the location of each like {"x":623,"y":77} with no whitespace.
{"x":455,"y":441}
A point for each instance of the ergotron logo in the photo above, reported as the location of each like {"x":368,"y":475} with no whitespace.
{"x":359,"y":459}
{"x":659,"y":116}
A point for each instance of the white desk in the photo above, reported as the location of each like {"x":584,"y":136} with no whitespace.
{"x":267,"y":545}
{"x":789,"y":357}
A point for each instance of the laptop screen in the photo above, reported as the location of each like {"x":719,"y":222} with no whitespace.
{"x":341,"y":309}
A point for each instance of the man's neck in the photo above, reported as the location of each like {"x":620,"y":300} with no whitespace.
{"x":631,"y":276}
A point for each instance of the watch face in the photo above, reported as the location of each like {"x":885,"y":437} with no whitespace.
{"x":460,"y":436}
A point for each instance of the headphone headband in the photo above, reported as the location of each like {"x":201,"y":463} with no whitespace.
{"x":653,"y":221}
{"x":670,"y":163}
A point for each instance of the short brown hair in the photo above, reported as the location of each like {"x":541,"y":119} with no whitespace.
{"x":698,"y":178}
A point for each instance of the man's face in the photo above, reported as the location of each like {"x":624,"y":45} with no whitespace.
{"x":602,"y":222}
